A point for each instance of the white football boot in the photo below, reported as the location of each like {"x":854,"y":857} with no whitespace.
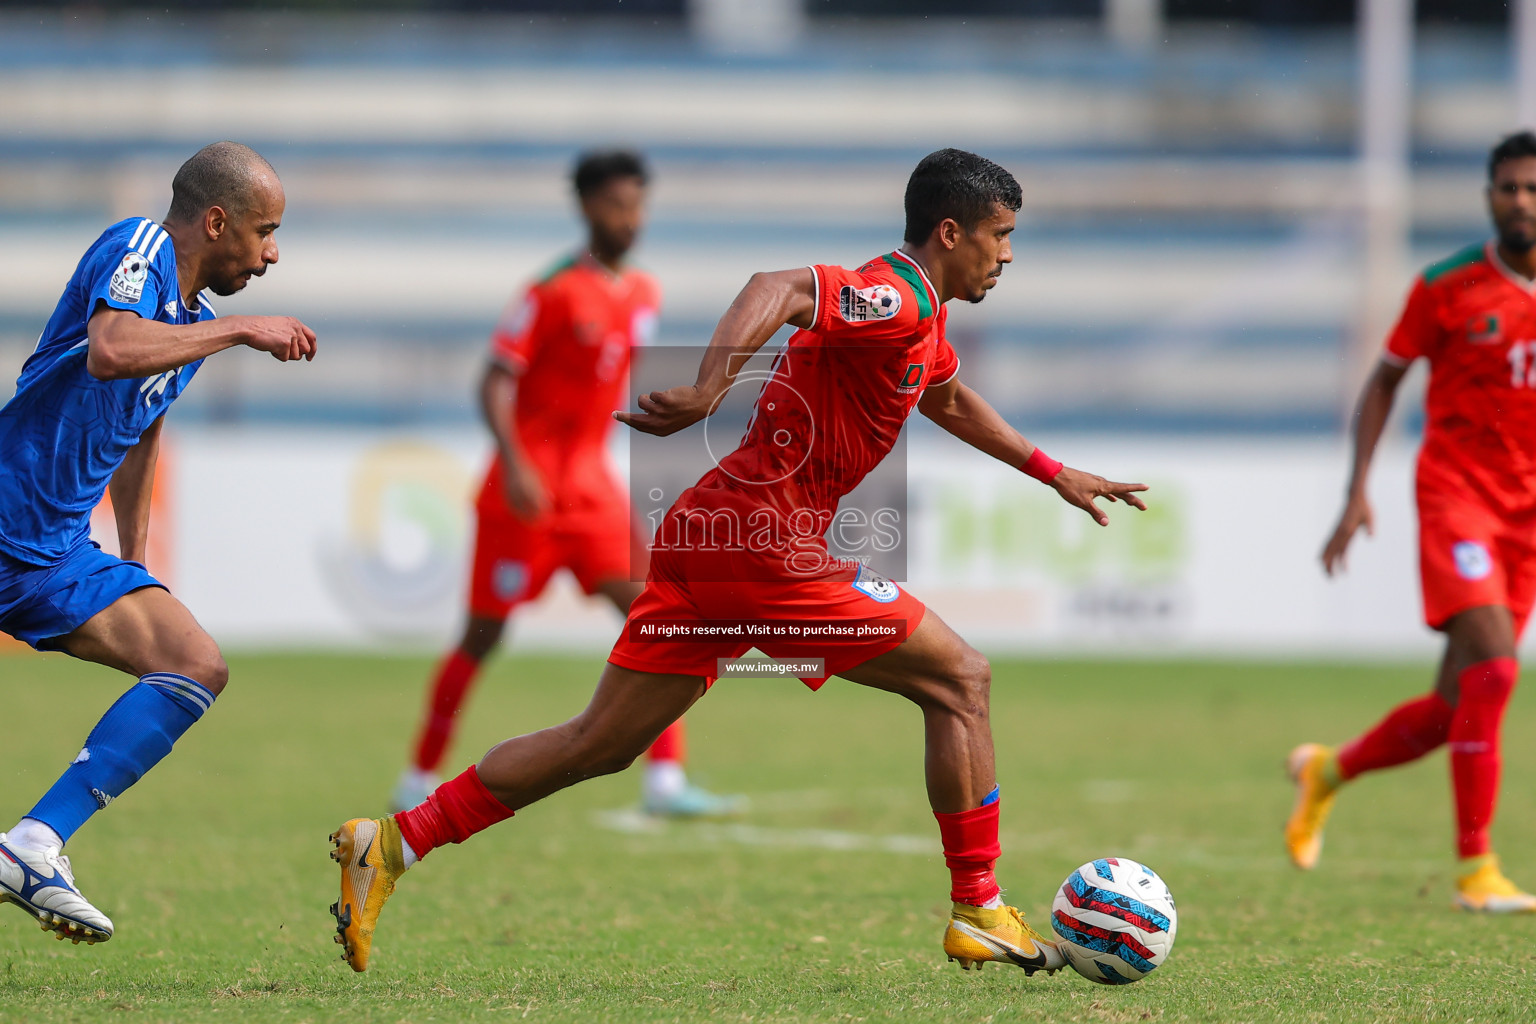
{"x":43,"y":885}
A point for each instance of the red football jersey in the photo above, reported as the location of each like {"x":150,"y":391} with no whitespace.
{"x":568,"y":340}
{"x":1474,"y":319}
{"x":838,"y":396}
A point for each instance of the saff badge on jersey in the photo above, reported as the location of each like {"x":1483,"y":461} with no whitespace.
{"x":127,"y":284}
{"x":877,"y":302}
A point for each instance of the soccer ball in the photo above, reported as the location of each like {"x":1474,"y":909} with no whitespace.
{"x":885,"y":300}
{"x":1116,"y":920}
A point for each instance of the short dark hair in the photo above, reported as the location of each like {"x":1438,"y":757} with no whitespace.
{"x":1511,"y":147}
{"x":957,"y":185}
{"x":220,"y":174}
{"x":596,"y":169}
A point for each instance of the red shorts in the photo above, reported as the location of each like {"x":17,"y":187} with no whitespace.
{"x":514,"y":560}
{"x":840,"y":596}
{"x":1471,"y":555}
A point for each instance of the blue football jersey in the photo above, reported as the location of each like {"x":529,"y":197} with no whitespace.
{"x":64,"y":433}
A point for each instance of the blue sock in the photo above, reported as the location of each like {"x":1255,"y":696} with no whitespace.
{"x":131,"y":738}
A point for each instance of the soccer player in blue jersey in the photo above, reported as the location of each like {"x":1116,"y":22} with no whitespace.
{"x":131,"y":329}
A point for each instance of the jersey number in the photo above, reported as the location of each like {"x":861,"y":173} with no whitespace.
{"x":615,"y":348}
{"x":1522,"y":364}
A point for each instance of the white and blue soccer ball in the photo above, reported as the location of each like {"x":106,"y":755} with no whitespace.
{"x":1115,"y":920}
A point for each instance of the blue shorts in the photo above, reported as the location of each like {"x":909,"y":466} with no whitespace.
{"x":39,"y":604}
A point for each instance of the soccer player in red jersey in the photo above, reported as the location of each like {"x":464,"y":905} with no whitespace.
{"x":746,"y":544}
{"x":558,"y":362}
{"x":1473,"y":317}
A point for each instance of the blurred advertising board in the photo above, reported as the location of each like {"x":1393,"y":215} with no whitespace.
{"x":284,"y":538}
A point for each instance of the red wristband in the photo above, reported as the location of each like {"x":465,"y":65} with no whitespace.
{"x":1041,"y":466}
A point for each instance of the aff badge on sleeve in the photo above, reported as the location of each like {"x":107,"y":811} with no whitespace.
{"x":127,"y":284}
{"x":877,"y":302}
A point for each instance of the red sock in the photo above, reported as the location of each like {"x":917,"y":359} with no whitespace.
{"x":970,"y":850}
{"x":669,"y":745}
{"x":1475,"y":761}
{"x":448,"y":689}
{"x":455,"y":811}
{"x":1409,"y":731}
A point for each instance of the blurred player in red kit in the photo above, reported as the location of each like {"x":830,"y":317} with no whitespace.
{"x":1473,"y":317}
{"x":558,"y":363}
{"x":870,"y":348}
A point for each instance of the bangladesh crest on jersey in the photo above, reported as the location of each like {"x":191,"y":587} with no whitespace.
{"x":1483,"y":330}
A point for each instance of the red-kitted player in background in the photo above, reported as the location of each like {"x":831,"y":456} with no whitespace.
{"x":559,"y":361}
{"x":1473,"y":316}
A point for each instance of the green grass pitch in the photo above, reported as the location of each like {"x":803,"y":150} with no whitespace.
{"x":214,"y":868}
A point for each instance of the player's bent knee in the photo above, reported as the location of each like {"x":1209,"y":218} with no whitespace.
{"x":217,"y":674}
{"x":481,"y":637}
{"x":973,"y":674}
{"x":212,"y":672}
{"x":969,"y":691}
{"x":201,"y":660}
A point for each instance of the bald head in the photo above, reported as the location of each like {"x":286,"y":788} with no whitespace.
{"x":226,"y":206}
{"x":223,"y":174}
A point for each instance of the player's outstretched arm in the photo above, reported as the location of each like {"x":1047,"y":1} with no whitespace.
{"x":768,"y":302}
{"x":524,"y":489}
{"x":972,"y":419}
{"x":1371,"y":414}
{"x":123,"y":345}
{"x":132,"y":487}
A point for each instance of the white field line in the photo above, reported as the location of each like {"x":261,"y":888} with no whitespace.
{"x":1150,"y":849}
